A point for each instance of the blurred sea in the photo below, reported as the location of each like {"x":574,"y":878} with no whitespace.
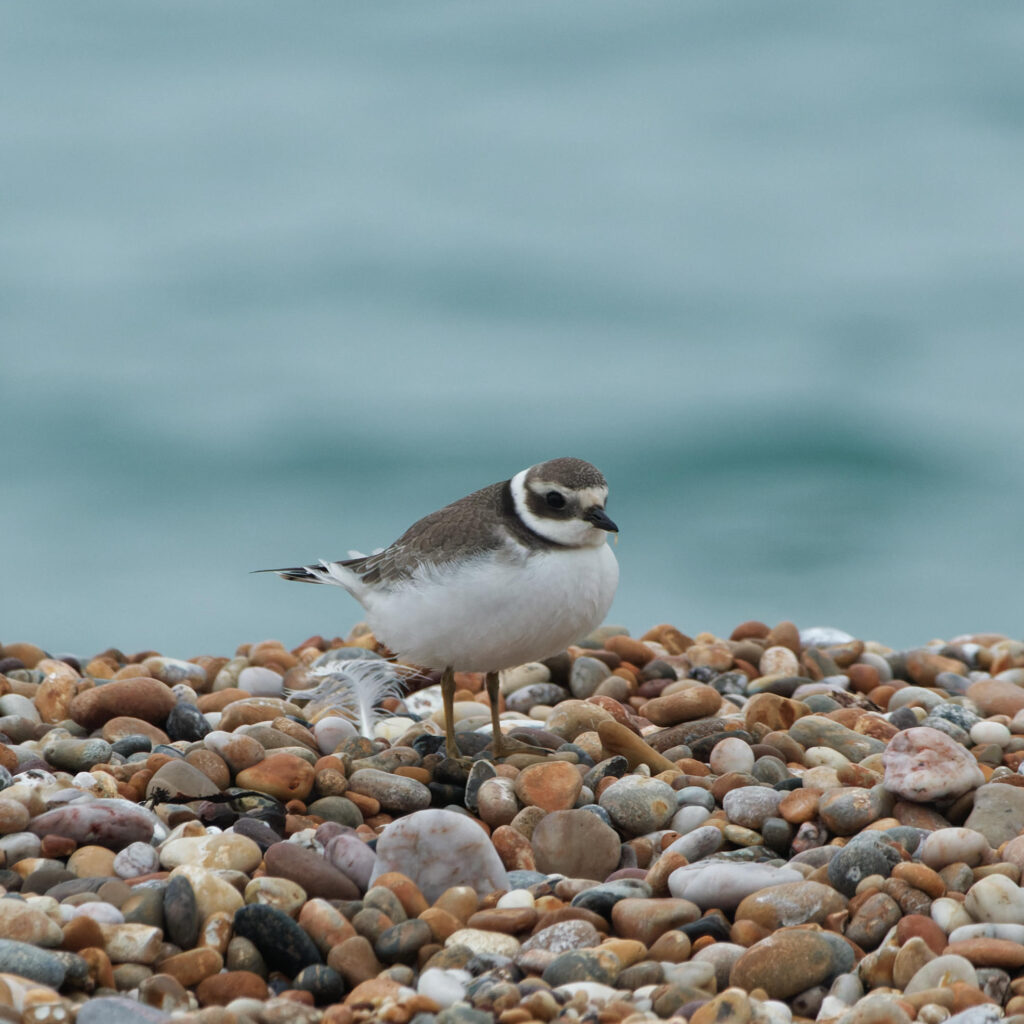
{"x":277,"y":280}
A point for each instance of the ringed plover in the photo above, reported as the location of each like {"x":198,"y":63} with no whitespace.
{"x":512,"y":573}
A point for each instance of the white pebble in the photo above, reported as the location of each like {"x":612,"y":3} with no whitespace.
{"x":824,"y":757}
{"x":997,"y":899}
{"x":331,"y":731}
{"x":990,"y":732}
{"x":184,"y":692}
{"x":949,"y":914}
{"x":524,"y":675}
{"x":731,"y":755}
{"x":136,"y":859}
{"x":516,"y":898}
{"x":260,"y":681}
{"x":100,"y":912}
{"x":778,"y":661}
{"x":445,"y":987}
{"x":770,"y":1011}
{"x":392,"y":728}
{"x":18,"y":704}
{"x":821,"y":778}
{"x":686,"y":819}
{"x":596,"y":993}
{"x":949,"y":845}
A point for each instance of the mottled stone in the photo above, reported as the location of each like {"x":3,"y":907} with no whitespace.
{"x":131,"y":943}
{"x":393,"y":792}
{"x":818,"y":731}
{"x":136,"y":859}
{"x":213,"y":893}
{"x":112,"y":823}
{"x":751,"y":806}
{"x":583,"y":965}
{"x":439,"y":849}
{"x":74,"y":755}
{"x":401,"y":942}
{"x":227,"y":850}
{"x":22,"y":922}
{"x":792,"y":903}
{"x":924,"y":765}
{"x":638,"y":805}
{"x":790,"y":961}
{"x":869,"y":853}
{"x":872,"y":920}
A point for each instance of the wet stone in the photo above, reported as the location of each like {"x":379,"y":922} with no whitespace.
{"x":401,"y":942}
{"x":281,"y":942}
{"x":601,"y":899}
{"x":186,"y":722}
{"x":583,"y":965}
{"x":866,"y":854}
{"x":326,"y":984}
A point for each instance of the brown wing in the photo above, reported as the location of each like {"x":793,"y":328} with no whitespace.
{"x":438,"y":538}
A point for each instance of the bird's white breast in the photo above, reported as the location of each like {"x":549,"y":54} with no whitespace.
{"x":498,"y":610}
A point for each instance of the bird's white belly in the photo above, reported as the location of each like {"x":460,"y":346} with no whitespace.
{"x":494,"y":614}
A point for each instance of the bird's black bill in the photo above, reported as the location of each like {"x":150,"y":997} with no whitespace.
{"x":599,"y":518}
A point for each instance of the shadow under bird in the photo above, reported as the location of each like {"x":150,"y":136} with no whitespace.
{"x":511,"y":573}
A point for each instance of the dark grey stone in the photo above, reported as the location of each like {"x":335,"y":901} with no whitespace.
{"x":181,"y":912}
{"x":186,"y":722}
{"x":284,"y":946}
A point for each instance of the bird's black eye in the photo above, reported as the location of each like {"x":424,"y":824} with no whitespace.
{"x":554,"y":499}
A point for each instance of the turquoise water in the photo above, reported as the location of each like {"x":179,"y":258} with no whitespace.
{"x":274,"y":282}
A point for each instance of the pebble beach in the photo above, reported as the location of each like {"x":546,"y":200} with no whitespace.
{"x":779,"y":825}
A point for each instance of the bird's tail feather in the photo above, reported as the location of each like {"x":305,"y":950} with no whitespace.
{"x":300,"y":573}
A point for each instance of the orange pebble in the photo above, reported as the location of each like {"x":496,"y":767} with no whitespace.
{"x":881,"y":695}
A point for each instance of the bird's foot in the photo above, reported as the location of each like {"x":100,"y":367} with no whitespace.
{"x":504,"y":747}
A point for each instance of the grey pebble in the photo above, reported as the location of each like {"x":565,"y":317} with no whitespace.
{"x":31,"y":962}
